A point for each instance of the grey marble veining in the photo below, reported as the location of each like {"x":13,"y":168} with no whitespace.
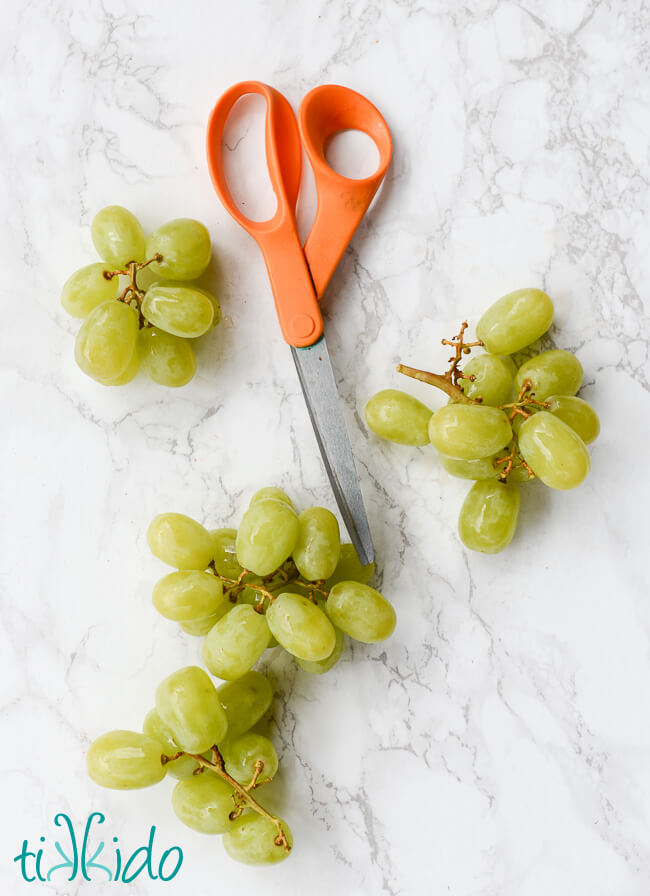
{"x":499,"y":743}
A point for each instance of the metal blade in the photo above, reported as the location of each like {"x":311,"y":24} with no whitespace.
{"x":323,"y":403}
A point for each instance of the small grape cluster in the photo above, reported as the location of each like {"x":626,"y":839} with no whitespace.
{"x":503,"y":425}
{"x":135,"y":328}
{"x":282,"y":579}
{"x":204,"y":736}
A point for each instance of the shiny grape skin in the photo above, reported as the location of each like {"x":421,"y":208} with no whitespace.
{"x":267,"y":535}
{"x":236,"y":642}
{"x":180,"y":541}
{"x":319,"y":667}
{"x":252,"y":841}
{"x":468,"y":431}
{"x":245,"y":701}
{"x":185,"y":247}
{"x":87,"y":288}
{"x":515,"y":320}
{"x":241,"y":754}
{"x":187,"y":595}
{"x":361,"y":612}
{"x":107,"y":340}
{"x":556,"y":372}
{"x":204,"y":802}
{"x":488,"y":517}
{"x":554,"y":451}
{"x":317,"y":549}
{"x":188,"y":703}
{"x":125,"y":760}
{"x":577,"y":414}
{"x":301,"y":627}
{"x":179,"y":310}
{"x":117,"y":236}
{"x":493,"y":380}
{"x":398,"y":417}
{"x":168,"y":360}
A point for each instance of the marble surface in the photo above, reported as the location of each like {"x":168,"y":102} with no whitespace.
{"x":499,"y":743}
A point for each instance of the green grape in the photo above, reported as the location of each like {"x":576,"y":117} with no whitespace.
{"x":169,"y":360}
{"x":236,"y":642}
{"x":469,"y":431}
{"x":249,"y":595}
{"x":180,"y":541}
{"x":181,"y":284}
{"x":240,"y":756}
{"x":493,"y":380}
{"x":185,"y":248}
{"x":319,"y":543}
{"x":200,"y":627}
{"x":317,"y":667}
{"x":179,"y":310}
{"x":477,"y":468}
{"x":301,"y":627}
{"x":204,"y":802}
{"x":349,"y":568}
{"x":225,"y":552}
{"x":125,"y":760}
{"x":117,"y":236}
{"x":577,"y":414}
{"x":488,"y":517}
{"x":267,"y":535}
{"x":154,"y":727}
{"x":187,"y":595}
{"x":483,"y":467}
{"x":515,"y":320}
{"x":252,"y":841}
{"x":188,"y":704}
{"x":557,"y":372}
{"x":556,"y":454}
{"x":361,"y":612}
{"x":273,"y":492}
{"x":87,"y":288}
{"x":128,"y":375}
{"x":398,"y":417}
{"x":106,"y":341}
{"x":245,"y":701}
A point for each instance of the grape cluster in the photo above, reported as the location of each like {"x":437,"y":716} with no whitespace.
{"x":504,"y":424}
{"x":204,"y":736}
{"x":282,"y":579}
{"x":136,"y":327}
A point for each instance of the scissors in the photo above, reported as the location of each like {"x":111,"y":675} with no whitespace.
{"x":300,"y":274}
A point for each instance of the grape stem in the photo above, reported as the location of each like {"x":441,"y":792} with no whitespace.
{"x":235,"y":586}
{"x":525,"y":404}
{"x":132,"y":294}
{"x":241,"y":797}
{"x":448,"y":381}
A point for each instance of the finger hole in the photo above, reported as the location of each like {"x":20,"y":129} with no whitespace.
{"x":244,"y":159}
{"x":352,"y":154}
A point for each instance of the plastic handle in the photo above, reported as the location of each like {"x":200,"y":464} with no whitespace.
{"x":295,"y":301}
{"x":342,"y":201}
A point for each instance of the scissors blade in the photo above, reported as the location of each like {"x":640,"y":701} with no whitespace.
{"x":323,"y":403}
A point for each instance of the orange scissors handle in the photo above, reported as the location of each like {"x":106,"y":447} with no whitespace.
{"x":299,"y":277}
{"x":293,"y":291}
{"x":342,"y":201}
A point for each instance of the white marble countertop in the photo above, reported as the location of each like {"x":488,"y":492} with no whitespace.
{"x":499,"y":743}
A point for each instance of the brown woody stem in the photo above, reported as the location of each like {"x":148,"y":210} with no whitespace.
{"x":131,"y":292}
{"x":439,"y":380}
{"x":236,"y":586}
{"x":242,"y":797}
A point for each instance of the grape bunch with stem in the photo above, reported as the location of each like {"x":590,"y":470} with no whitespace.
{"x":503,"y":425}
{"x":282,"y":580}
{"x":127,"y":326}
